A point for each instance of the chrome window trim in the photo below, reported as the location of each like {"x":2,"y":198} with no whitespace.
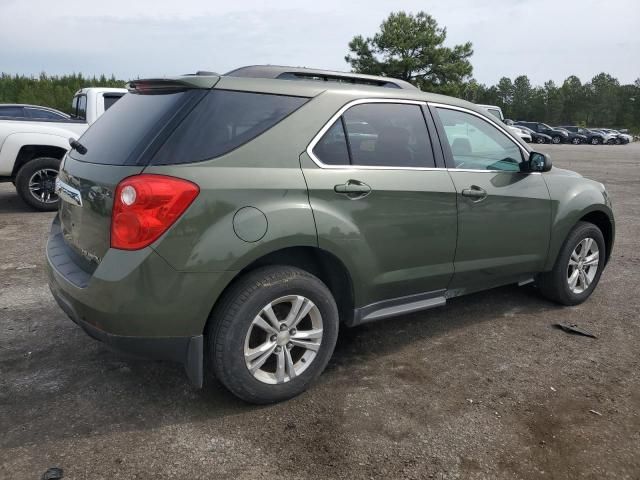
{"x":361,"y":101}
{"x":339,"y":113}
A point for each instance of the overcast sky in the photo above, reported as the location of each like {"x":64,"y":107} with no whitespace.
{"x":545,"y":39}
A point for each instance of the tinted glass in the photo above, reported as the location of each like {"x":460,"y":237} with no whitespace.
{"x":395,"y":135}
{"x":115,"y":137}
{"x":223,"y":121}
{"x":14,"y":112}
{"x":478,"y":145}
{"x":109,"y":100}
{"x":44,"y":114}
{"x":332,"y":148}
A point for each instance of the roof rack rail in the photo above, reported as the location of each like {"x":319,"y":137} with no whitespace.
{"x":300,"y":73}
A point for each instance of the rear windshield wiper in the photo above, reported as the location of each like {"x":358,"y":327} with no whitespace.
{"x":77,"y":146}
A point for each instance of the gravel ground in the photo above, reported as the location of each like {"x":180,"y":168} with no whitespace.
{"x":482,"y":388}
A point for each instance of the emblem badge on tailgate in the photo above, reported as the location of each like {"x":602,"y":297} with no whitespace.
{"x":68,"y":193}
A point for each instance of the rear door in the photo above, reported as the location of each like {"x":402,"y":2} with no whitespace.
{"x":380,"y":203}
{"x":504,"y":211}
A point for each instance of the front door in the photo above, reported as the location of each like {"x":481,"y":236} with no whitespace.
{"x":379,"y":203}
{"x":504,"y":212}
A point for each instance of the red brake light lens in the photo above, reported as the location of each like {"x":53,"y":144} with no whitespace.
{"x":145,"y":206}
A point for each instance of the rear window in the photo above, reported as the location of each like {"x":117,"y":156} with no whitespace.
{"x":124,"y":131}
{"x":223,"y":121}
{"x":110,"y":99}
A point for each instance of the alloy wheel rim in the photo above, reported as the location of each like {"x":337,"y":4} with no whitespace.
{"x":556,"y":140}
{"x":576,"y":141}
{"x":42,"y":185}
{"x":283,"y":340}
{"x":583,"y":265}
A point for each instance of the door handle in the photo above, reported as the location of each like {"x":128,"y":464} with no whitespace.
{"x":353,"y":189}
{"x":474,"y":192}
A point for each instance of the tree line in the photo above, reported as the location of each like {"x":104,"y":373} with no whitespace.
{"x":411,"y":47}
{"x":49,"y":90}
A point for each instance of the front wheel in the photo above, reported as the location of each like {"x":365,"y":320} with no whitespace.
{"x":575,"y":141}
{"x":272,"y":334}
{"x":540,"y":140}
{"x":36,"y":183}
{"x":556,"y":139}
{"x":595,"y":141}
{"x":578,"y":267}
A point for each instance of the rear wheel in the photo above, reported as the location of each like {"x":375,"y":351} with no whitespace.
{"x":595,"y":141}
{"x":578,"y":267}
{"x":272,"y":334}
{"x":36,"y":182}
{"x":576,"y":141}
{"x":540,"y":140}
{"x":556,"y":139}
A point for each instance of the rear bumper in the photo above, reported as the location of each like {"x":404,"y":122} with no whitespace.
{"x":136,"y":302}
{"x":185,"y":350}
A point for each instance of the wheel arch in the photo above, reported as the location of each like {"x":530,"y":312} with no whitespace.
{"x":31,"y":152}
{"x":599,"y":215}
{"x":315,"y":260}
{"x":601,"y":220}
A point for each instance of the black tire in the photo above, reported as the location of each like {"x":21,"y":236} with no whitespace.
{"x":26,"y":172}
{"x":540,"y":140}
{"x":557,"y":139}
{"x":232,"y":317}
{"x":576,"y":141}
{"x":594,"y":141}
{"x":554,"y":285}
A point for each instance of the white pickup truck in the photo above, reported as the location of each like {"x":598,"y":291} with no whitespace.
{"x":31,"y":150}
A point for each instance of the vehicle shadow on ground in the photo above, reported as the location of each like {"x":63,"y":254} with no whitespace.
{"x":10,"y":202}
{"x":85,"y":389}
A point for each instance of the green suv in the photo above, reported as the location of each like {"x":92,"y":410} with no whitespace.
{"x":233,"y":222}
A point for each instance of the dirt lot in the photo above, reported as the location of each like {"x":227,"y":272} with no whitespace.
{"x":483,"y":388}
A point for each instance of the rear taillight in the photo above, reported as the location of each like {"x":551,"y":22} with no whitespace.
{"x":145,"y":206}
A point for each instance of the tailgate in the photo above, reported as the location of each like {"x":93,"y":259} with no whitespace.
{"x":86,"y":199}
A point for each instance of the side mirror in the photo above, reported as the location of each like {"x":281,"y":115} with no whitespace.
{"x":539,"y":162}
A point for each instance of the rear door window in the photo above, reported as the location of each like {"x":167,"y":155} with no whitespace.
{"x":13,"y":112}
{"x":223,"y":121}
{"x":379,"y":135}
{"x":39,"y":113}
{"x":332,"y":148}
{"x":396,"y":135}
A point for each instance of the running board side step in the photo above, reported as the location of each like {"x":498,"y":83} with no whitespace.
{"x":398,"y":306}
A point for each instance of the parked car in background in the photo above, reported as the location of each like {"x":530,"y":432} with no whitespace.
{"x":594,"y":138}
{"x":557,"y":136}
{"x":535,"y":136}
{"x":31,"y":148}
{"x":497,"y":112}
{"x":574,"y":137}
{"x":30,"y":112}
{"x":232,"y":223}
{"x":621,"y":138}
{"x":609,"y":138}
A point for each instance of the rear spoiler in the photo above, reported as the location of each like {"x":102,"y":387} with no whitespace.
{"x":151,"y":86}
